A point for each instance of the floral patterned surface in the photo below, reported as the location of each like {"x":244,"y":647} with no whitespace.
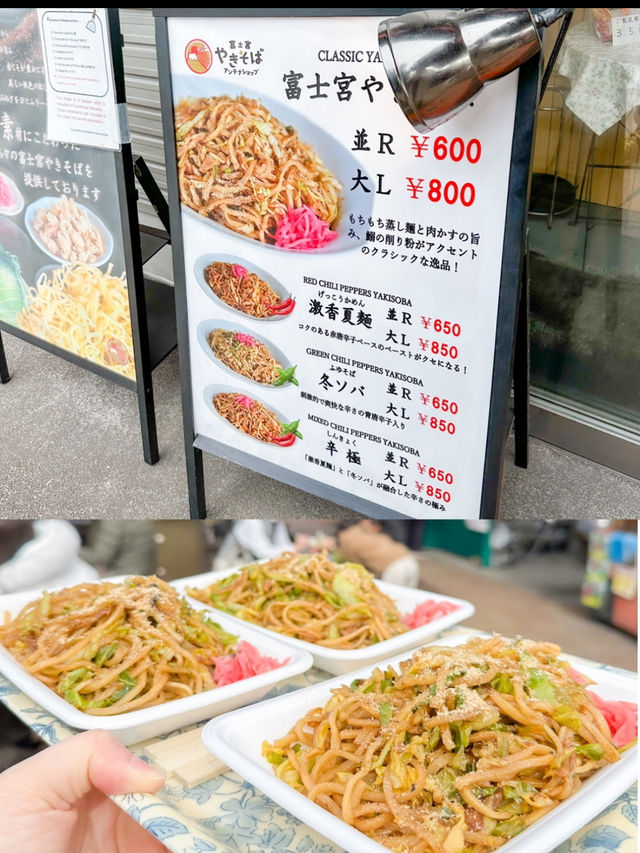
{"x":229,"y":815}
{"x":605,"y":80}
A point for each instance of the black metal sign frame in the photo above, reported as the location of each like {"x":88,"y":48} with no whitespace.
{"x":500,"y":414}
{"x":151,"y":303}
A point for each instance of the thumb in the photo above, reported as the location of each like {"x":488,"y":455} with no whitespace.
{"x":62,"y":774}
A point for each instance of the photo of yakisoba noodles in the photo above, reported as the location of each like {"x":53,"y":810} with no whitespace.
{"x":254,"y":419}
{"x":112,"y":647}
{"x":240,"y":166}
{"x":249,"y":357}
{"x":85,"y":311}
{"x":455,"y":750}
{"x":245,"y":291}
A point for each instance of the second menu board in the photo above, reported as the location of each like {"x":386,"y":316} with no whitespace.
{"x":63,"y":276}
{"x":342,"y":270}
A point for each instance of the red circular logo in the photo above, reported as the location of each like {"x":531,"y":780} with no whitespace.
{"x":198,"y":56}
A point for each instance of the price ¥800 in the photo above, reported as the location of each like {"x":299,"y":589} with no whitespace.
{"x":437,"y":191}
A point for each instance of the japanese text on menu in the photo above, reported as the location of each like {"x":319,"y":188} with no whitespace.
{"x":395,"y":320}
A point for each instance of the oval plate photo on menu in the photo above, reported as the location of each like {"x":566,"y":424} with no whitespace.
{"x":338,"y":164}
{"x":245,"y":286}
{"x":251,"y":416}
{"x":282,"y":363}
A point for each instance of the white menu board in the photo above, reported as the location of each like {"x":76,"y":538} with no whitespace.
{"x":383,"y":296}
{"x":81,"y":102}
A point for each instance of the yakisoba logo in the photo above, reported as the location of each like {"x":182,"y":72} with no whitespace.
{"x":235,"y":57}
{"x":198,"y":56}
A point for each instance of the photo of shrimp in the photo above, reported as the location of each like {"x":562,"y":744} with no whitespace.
{"x":253,"y":418}
{"x":244,"y":354}
{"x":246,"y":170}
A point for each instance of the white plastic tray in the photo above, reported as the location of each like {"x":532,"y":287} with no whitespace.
{"x":340,"y":661}
{"x":134,"y":726}
{"x":237,"y":740}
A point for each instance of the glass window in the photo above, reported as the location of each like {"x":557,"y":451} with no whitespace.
{"x":584,"y":222}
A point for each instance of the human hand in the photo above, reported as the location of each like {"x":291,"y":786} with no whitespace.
{"x":57,"y":799}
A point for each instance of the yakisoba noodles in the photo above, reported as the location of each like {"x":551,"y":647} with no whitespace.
{"x":108,"y":647}
{"x":245,"y":355}
{"x":311,"y":598}
{"x":248,"y":415}
{"x":84,"y":311}
{"x":240,"y":289}
{"x":242,"y":167}
{"x":457,"y":750}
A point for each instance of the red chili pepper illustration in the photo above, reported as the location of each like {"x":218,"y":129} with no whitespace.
{"x":284,"y":440}
{"x":283,"y":308}
{"x":289,"y":434}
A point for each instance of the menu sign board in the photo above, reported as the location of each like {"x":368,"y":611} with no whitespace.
{"x":342,"y":270}
{"x":62,"y":259}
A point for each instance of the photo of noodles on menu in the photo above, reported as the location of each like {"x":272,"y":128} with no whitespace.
{"x":246,"y":170}
{"x":244,"y":354}
{"x":71,"y":302}
{"x":86,"y":312}
{"x":246,"y":291}
{"x":253,"y":418}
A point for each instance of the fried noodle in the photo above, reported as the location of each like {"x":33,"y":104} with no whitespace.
{"x":252,"y":360}
{"x":247,"y":293}
{"x":108,"y":648}
{"x":248,"y":415}
{"x":85,"y":311}
{"x":243,"y":168}
{"x":311,"y":598}
{"x":456,"y":750}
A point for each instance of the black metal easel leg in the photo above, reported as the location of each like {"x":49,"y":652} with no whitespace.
{"x":195,"y":481}
{"x":4,"y":367}
{"x":147,"y":413}
{"x":521,"y":372}
{"x":152,"y":191}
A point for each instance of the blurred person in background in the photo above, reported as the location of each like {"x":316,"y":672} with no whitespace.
{"x":37,"y":554}
{"x":252,"y":539}
{"x":121,"y":547}
{"x":387,"y":557}
{"x":386,"y":554}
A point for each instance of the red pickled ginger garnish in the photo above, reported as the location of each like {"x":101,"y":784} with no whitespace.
{"x":246,"y":339}
{"x":243,"y":663}
{"x":7,"y":198}
{"x":427,"y":612}
{"x":621,"y":716}
{"x":301,"y":229}
{"x":243,"y":400}
{"x":239,"y":271}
